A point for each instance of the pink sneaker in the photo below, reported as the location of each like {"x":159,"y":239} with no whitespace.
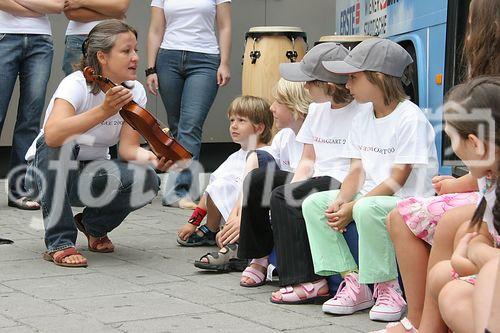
{"x":350,"y":297}
{"x":390,"y":305}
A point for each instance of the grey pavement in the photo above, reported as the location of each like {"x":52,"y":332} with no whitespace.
{"x":149,"y":284}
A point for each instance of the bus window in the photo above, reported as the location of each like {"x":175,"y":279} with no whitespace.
{"x":410,"y":77}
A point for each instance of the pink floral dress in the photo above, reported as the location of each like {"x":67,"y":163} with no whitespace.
{"x":421,"y":215}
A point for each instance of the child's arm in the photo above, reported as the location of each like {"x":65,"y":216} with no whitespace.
{"x":305,"y":168}
{"x":398,"y":177}
{"x":447,"y":184}
{"x":459,"y":260}
{"x":339,"y":212}
{"x":480,"y":251}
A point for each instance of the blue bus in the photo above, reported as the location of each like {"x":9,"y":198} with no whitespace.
{"x":432,"y":31}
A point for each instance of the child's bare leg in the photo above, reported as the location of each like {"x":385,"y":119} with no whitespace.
{"x":413,"y":255}
{"x":455,"y":305}
{"x":213,"y":215}
{"x":486,"y":299}
{"x":442,"y":249}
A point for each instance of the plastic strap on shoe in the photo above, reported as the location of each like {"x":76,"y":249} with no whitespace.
{"x":197,"y":216}
{"x":205,"y":230}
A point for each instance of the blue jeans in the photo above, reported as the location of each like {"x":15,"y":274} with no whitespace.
{"x":30,"y":58}
{"x":188,"y":86}
{"x":109,"y":190}
{"x":72,"y":53}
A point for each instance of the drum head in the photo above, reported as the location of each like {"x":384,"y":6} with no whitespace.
{"x":295,"y":32}
{"x":350,"y":39}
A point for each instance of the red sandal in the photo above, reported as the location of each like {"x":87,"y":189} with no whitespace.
{"x":95,"y":245}
{"x":58,"y":258}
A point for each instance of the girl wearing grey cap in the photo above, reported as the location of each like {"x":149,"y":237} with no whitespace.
{"x":321,"y":168}
{"x":393,"y":155}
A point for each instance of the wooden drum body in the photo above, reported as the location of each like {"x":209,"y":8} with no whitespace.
{"x":349,"y":41}
{"x":265,"y":49}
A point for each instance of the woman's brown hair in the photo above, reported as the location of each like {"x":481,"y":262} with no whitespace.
{"x":101,"y":38}
{"x":482,"y":47}
{"x":472,"y":99}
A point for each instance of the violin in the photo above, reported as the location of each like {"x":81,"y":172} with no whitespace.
{"x":161,"y":141}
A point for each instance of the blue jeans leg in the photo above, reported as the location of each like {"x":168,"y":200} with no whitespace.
{"x":72,"y":53}
{"x":124,"y":187}
{"x":30,"y":57}
{"x":192,"y":76}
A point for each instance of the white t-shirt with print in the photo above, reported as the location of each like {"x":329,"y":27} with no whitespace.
{"x":80,"y":28}
{"x":190,"y":25}
{"x":226,"y":182}
{"x":94,"y":144}
{"x":403,"y":137}
{"x":12,"y":24}
{"x":286,"y":150}
{"x":327,"y":130}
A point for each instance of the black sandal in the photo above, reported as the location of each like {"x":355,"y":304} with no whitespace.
{"x":194,"y":239}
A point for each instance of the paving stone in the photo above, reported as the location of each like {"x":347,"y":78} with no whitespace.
{"x":14,"y":253}
{"x":67,"y":322}
{"x":36,"y":268}
{"x":198,"y":293}
{"x":19,"y":329}
{"x":6,"y":322}
{"x":137,"y":274}
{"x":199,"y":323}
{"x":17,"y":305}
{"x":133,"y":306}
{"x":76,"y":286}
{"x":270,"y":315}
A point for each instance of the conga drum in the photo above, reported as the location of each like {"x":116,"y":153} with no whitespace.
{"x":349,"y":41}
{"x":265,"y":49}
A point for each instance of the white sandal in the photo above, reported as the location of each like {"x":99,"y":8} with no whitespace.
{"x":407,"y":325}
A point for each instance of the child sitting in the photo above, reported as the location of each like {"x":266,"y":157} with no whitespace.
{"x":250,"y":127}
{"x":452,"y":282}
{"x":393,"y":155}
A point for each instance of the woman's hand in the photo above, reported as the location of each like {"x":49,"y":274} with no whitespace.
{"x":339,"y":214}
{"x":159,"y":164}
{"x":116,"y":98}
{"x":152,"y":83}
{"x":223,"y":75}
{"x":443,"y":184}
{"x":73,"y":4}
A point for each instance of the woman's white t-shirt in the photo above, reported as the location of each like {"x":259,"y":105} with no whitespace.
{"x":190,"y":25}
{"x":327,"y":130}
{"x":286,"y":150}
{"x":12,"y":24}
{"x":403,"y":137}
{"x":94,"y":144}
{"x":80,"y":28}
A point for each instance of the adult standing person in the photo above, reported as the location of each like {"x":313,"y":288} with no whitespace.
{"x":187,"y":63}
{"x":85,"y":15}
{"x":26,"y":50}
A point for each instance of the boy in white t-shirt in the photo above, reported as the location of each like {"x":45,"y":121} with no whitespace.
{"x":250,"y":126}
{"x":393,"y":155}
{"x":82,"y":20}
{"x":26,"y":50}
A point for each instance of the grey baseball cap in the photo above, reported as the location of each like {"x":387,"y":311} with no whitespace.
{"x":310,"y":68}
{"x":374,"y":54}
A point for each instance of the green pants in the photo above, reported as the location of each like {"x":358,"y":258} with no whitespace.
{"x":330,"y":252}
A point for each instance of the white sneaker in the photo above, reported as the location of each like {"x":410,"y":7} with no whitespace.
{"x":390,"y":305}
{"x":350,"y":297}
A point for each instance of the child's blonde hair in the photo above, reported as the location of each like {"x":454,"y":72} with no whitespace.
{"x":257,"y":110}
{"x":338,"y":92}
{"x":391,"y":86}
{"x":293,"y":96}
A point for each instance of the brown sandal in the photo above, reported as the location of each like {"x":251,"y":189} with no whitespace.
{"x":58,"y":259}
{"x":94,"y":246}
